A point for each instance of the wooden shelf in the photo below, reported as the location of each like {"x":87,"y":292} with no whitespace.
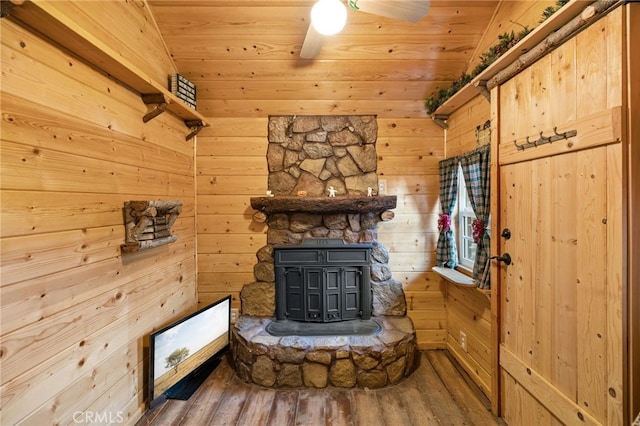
{"x":454,"y":276}
{"x":485,"y":292}
{"x":542,"y":31}
{"x":58,"y":27}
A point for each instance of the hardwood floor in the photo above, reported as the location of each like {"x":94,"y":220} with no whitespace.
{"x":437,"y":393}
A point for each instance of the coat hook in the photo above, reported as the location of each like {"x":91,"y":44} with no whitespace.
{"x":535,"y":143}
{"x":562,"y":135}
{"x":544,"y":139}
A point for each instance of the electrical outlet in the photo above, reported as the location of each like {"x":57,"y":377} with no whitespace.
{"x":463,"y":341}
{"x":382,"y":186}
{"x":234,"y":315}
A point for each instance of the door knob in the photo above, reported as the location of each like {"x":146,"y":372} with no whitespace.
{"x":506,"y":233}
{"x":506,"y":258}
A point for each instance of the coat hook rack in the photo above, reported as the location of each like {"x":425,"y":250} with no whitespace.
{"x":545,"y":139}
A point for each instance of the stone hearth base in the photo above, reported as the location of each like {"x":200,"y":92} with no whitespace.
{"x":372,"y":361}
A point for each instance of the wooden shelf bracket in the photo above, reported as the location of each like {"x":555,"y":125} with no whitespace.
{"x":157,"y":99}
{"x":148,"y":224}
{"x":195,"y":126}
{"x":481,"y":85}
{"x":440,"y":120}
{"x":161,"y":103}
{"x":7,"y":6}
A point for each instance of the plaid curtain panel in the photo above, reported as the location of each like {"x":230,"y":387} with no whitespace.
{"x":476,"y":172}
{"x":446,"y":251}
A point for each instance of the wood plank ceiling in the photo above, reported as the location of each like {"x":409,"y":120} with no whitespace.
{"x":243,"y":56}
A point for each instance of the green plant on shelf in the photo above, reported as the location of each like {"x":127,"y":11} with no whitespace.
{"x":505,"y":42}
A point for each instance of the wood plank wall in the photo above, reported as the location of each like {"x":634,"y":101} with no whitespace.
{"x":468,"y":309}
{"x":232,"y":167}
{"x":243,"y":85}
{"x":74,"y":311}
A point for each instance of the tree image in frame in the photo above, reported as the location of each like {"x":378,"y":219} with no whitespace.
{"x":176,"y":357}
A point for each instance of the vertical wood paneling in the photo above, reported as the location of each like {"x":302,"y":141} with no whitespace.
{"x":75,"y":312}
{"x":541,"y":95}
{"x":496,"y":276}
{"x":591,"y":60}
{"x":615,"y":291}
{"x":591,"y":200}
{"x":631,"y":160}
{"x":562,"y":296}
{"x":563,"y":246}
{"x":543,"y":278}
{"x":564,"y":80}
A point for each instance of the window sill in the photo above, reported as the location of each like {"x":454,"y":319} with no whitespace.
{"x":454,"y":276}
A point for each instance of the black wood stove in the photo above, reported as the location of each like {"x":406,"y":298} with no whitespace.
{"x":323,"y":280}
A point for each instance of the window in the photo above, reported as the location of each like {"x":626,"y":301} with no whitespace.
{"x":464,"y":225}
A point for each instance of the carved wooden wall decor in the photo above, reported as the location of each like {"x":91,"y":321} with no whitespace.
{"x":148,"y":224}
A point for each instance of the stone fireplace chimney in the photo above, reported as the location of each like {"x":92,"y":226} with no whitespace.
{"x":306,"y":157}
{"x":310,"y":154}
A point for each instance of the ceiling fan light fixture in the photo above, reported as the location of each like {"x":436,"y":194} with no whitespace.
{"x":328,"y":17}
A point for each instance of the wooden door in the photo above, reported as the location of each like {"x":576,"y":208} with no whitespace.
{"x":556,"y":328}
{"x":560,"y":301}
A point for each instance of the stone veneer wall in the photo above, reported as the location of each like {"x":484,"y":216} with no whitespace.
{"x":312,"y":153}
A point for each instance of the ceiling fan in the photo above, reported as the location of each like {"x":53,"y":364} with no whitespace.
{"x":329,"y":16}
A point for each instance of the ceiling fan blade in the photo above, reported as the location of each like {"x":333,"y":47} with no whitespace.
{"x":404,"y":10}
{"x":312,"y":43}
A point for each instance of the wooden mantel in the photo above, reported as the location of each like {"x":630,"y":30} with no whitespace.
{"x":345,"y":203}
